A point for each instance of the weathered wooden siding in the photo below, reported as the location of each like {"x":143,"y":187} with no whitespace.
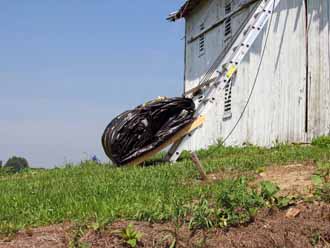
{"x":276,"y":112}
{"x":198,"y":65}
{"x":208,"y":13}
{"x":319,"y":64}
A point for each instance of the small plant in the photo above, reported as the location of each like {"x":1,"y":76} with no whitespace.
{"x":78,"y":233}
{"x":324,"y":171}
{"x":315,"y":239}
{"x":321,"y":180}
{"x":284,"y":202}
{"x":100,"y":224}
{"x":322,"y":142}
{"x":202,"y":215}
{"x":237,"y":203}
{"x":201,"y":242}
{"x":220,"y":143}
{"x":323,"y":193}
{"x":130,"y":235}
{"x":171,"y":239}
{"x":269,"y":191}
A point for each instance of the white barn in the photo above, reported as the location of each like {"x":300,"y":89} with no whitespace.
{"x":290,"y":102}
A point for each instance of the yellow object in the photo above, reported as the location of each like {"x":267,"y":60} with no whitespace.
{"x":231,"y":71}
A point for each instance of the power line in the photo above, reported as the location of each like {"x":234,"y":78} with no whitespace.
{"x":255,"y":80}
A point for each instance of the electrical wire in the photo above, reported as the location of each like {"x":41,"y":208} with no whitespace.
{"x":255,"y":80}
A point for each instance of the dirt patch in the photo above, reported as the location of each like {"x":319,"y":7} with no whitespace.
{"x":305,"y":225}
{"x":154,"y":235}
{"x":55,"y":236}
{"x":293,"y":179}
{"x":311,"y":227}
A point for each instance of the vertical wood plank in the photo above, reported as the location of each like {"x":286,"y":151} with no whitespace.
{"x":319,"y":64}
{"x":277,"y":108}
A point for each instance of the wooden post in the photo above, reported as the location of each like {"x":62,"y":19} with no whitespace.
{"x":199,"y":166}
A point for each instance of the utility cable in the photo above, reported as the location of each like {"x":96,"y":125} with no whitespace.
{"x":255,"y":80}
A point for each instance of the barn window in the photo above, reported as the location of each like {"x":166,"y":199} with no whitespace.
{"x":227,"y":37}
{"x":202,"y":41}
{"x":228,"y":22}
{"x":227,"y":105}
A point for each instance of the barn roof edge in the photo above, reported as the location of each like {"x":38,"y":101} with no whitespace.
{"x":188,"y":6}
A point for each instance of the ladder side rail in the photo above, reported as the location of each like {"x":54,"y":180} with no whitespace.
{"x":253,"y":32}
{"x":230,"y":63}
{"x":236,"y":55}
{"x":210,"y":73}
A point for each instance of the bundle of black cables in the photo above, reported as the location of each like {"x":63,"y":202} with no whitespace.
{"x":136,"y":132}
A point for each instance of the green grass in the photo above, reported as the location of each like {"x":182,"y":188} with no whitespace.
{"x":323,"y":141}
{"x":321,"y":180}
{"x":91,"y":193}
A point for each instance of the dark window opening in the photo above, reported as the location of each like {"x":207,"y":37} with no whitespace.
{"x":202,"y":41}
{"x":227,"y":106}
{"x":228,"y":22}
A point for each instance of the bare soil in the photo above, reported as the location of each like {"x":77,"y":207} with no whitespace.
{"x":294,"y":179}
{"x":271,"y":229}
{"x":303,"y":225}
{"x":308,"y":227}
{"x":55,"y":236}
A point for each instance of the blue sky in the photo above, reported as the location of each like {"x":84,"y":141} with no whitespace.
{"x":68,"y":67}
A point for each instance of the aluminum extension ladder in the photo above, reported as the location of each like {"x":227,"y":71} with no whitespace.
{"x":228,"y":67}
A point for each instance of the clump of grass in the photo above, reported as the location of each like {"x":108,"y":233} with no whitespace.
{"x":202,"y":215}
{"x":101,"y":193}
{"x":130,"y":236}
{"x":315,"y":238}
{"x":323,"y":142}
{"x":269,"y":191}
{"x":321,"y":180}
{"x":237,"y":202}
{"x":78,"y":233}
{"x":234,"y":203}
{"x":323,"y":192}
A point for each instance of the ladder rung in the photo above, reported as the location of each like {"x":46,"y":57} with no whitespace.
{"x":230,"y":62}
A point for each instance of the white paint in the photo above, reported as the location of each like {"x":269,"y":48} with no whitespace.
{"x":276,"y":112}
{"x":319,"y":60}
